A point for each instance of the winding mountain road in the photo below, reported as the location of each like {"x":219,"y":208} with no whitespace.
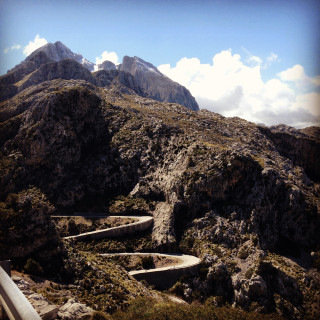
{"x":161,"y":278}
{"x":143,"y":223}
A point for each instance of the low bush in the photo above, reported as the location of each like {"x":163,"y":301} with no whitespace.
{"x":147,"y":262}
{"x":33,"y":267}
{"x":243,"y":253}
{"x":147,"y":309}
{"x":98,"y":315}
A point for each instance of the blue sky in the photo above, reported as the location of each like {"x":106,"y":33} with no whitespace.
{"x":164,"y":32}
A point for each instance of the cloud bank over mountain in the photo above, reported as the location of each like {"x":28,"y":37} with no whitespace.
{"x":108,"y":56}
{"x":34,"y":45}
{"x":234,"y":88}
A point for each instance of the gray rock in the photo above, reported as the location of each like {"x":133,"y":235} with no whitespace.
{"x":21,"y":283}
{"x":73,"y":310}
{"x":257,"y":287}
{"x":64,"y":69}
{"x":107,"y":65}
{"x":45,"y":309}
{"x":58,"y":51}
{"x":157,"y":85}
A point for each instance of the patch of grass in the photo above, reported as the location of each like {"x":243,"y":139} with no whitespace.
{"x":148,"y":309}
{"x":259,"y":160}
{"x":130,"y":206}
{"x":134,"y":243}
{"x":98,"y":315}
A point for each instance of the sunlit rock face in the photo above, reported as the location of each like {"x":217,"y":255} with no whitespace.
{"x":157,"y":85}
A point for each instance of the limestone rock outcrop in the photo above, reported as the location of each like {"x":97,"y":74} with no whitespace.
{"x":45,"y":309}
{"x":156,"y":85}
{"x":74,"y":310}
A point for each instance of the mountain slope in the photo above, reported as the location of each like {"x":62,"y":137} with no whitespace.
{"x":242,"y":197}
{"x":156,"y":85}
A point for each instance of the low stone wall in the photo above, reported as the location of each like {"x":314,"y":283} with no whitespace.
{"x":165,"y":277}
{"x":144,"y":223}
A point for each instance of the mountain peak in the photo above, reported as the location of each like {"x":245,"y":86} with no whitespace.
{"x":58,"y":51}
{"x":134,"y":73}
{"x":155,"y":84}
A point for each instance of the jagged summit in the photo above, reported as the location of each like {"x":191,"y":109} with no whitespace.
{"x":135,"y":64}
{"x":157,"y":85}
{"x":133,"y":75}
{"x":58,"y":51}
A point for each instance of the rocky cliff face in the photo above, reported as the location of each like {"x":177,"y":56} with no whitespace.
{"x":156,"y":85}
{"x":240,"y":196}
{"x":26,"y":225}
{"x":227,"y":165}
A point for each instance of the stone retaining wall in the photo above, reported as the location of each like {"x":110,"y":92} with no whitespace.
{"x":143,"y":224}
{"x":165,"y":277}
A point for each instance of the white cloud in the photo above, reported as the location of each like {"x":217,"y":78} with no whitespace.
{"x":296,"y":73}
{"x":298,"y":77}
{"x":34,"y":45}
{"x":271,"y":58}
{"x":14,"y":47}
{"x":233,"y":88}
{"x":108,"y":56}
{"x":255,"y":60}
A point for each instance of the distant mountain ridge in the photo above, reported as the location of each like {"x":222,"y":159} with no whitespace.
{"x":56,"y":52}
{"x":133,"y":74}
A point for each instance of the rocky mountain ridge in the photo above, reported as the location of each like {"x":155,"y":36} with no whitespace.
{"x":57,"y":52}
{"x":53,"y":61}
{"x":242,"y":197}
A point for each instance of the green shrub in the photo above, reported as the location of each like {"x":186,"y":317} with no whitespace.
{"x":187,"y":244}
{"x":33,"y":267}
{"x":190,"y":162}
{"x":249,"y":273}
{"x":147,"y":309}
{"x":98,"y":315}
{"x":243,"y":253}
{"x":177,"y":289}
{"x":72,"y":228}
{"x":147,"y":262}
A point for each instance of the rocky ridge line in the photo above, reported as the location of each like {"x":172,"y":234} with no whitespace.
{"x":53,"y":61}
